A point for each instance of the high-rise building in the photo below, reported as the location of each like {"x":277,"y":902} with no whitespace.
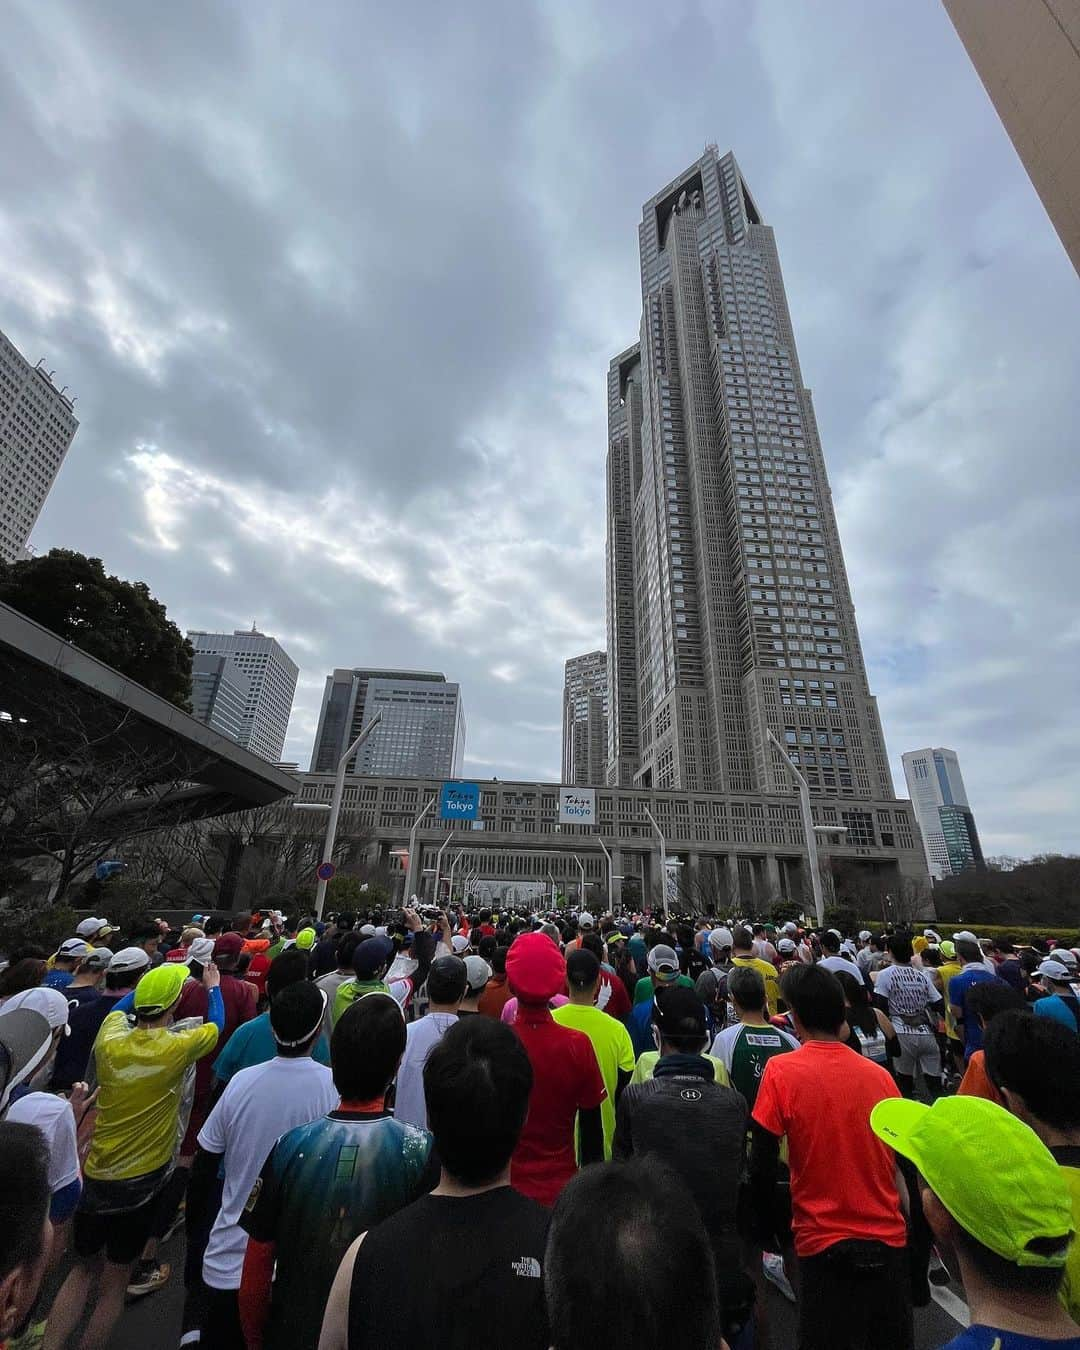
{"x":941,"y":807}
{"x":219,"y":691}
{"x":37,"y":424}
{"x":729,"y":612}
{"x":271,"y":676}
{"x":585,"y":714}
{"x":421,"y":732}
{"x":1028,"y":57}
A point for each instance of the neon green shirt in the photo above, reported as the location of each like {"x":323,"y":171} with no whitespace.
{"x":614,"y":1051}
{"x":1070,"y":1285}
{"x":643,"y":1069}
{"x":350,"y":991}
{"x":140,"y":1072}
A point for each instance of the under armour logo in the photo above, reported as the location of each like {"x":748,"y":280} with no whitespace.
{"x":528,"y":1266}
{"x":690,"y":1095}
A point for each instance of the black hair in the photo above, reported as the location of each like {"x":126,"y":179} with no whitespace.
{"x":900,"y":947}
{"x":759,"y":930}
{"x":287,"y":968}
{"x":628,"y":1262}
{"x":345,"y":921}
{"x":486,"y":948}
{"x":1029,"y":961}
{"x":124,"y":979}
{"x":294,"y":1012}
{"x":815,"y":996}
{"x":213,"y":924}
{"x":447,"y":980}
{"x":24,"y":1197}
{"x":498,"y":960}
{"x":1005,"y":1276}
{"x":860,"y":1010}
{"x":343,"y":952}
{"x":367,"y":1043}
{"x":145,"y":930}
{"x":830,"y":941}
{"x":21,"y":975}
{"x":968,"y":951}
{"x":747,"y":988}
{"x":1039,"y":1059}
{"x":687,"y":1036}
{"x":931,"y":956}
{"x":477,"y":1082}
{"x":742,"y":939}
{"x":991,"y":997}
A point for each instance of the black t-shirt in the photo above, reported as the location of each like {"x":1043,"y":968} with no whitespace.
{"x":447,"y":1273}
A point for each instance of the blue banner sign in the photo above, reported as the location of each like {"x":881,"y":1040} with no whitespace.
{"x":459,"y":801}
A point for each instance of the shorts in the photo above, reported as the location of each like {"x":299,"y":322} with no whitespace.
{"x":122,"y":1233}
{"x":918,"y":1049}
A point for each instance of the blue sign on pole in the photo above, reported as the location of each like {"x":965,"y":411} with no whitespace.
{"x":459,"y":801}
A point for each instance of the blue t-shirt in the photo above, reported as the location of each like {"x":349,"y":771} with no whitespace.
{"x":959,"y":988}
{"x":253,"y":1043}
{"x":1055,"y":1006}
{"x":58,"y":979}
{"x":987,"y":1338}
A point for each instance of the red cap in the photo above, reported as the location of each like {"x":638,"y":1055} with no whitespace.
{"x":229,"y":946}
{"x":535,"y":968}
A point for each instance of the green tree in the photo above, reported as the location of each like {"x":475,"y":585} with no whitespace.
{"x":118,"y":622}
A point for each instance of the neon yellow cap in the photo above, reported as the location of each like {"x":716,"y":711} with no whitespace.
{"x":159,"y":989}
{"x":992,"y":1173}
{"x":305,"y":939}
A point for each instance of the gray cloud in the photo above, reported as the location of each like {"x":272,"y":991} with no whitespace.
{"x":338,"y":287}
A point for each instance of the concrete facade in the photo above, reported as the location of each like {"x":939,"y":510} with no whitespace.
{"x":729,"y":611}
{"x":942,"y":810}
{"x":219,"y":693}
{"x":585,"y":720}
{"x":742,"y":849}
{"x":271,"y":675}
{"x":1027,"y":54}
{"x":422,"y":727}
{"x":37,"y":425}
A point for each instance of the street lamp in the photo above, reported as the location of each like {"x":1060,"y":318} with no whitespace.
{"x":808,"y":829}
{"x":663,"y":860}
{"x":335,"y":808}
{"x":611,"y":877}
{"x":552,"y":880}
{"x":410,"y":870}
{"x":438,"y":863}
{"x":453,"y":868}
{"x":581,"y":869}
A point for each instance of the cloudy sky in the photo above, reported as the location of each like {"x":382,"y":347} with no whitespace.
{"x":337,"y":284}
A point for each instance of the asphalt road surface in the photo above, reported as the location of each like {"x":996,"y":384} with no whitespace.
{"x":154,"y":1321}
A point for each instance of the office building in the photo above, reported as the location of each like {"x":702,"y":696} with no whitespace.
{"x":37,"y":424}
{"x":585,"y":714}
{"x":421,"y":731}
{"x":271,"y":683}
{"x":729,"y":613}
{"x":942,"y":810}
{"x":1027,"y":54}
{"x":219,"y":691}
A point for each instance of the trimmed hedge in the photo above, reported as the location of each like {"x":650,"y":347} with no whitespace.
{"x":1019,"y":933}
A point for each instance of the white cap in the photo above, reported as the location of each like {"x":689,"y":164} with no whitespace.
{"x":73,"y":947}
{"x":931,"y":935}
{"x":1065,"y":954}
{"x":477,"y":972}
{"x":1053,"y":970}
{"x":201,"y":950}
{"x":786,"y":946}
{"x":865,"y":935}
{"x":90,"y":928}
{"x":50,"y":1003}
{"x":128,"y":960}
{"x":721,"y":938}
{"x":367,"y":930}
{"x":790,"y":927}
{"x":460,"y":943}
{"x":585,"y":919}
{"x":964,"y":936}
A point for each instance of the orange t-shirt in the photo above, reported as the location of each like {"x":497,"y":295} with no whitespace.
{"x":976,"y":1081}
{"x":842,"y":1176}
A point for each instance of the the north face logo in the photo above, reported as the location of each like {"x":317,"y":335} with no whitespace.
{"x":528,"y":1266}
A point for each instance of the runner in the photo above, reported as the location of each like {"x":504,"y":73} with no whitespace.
{"x":66,"y":962}
{"x":743,"y":948}
{"x":126,"y":967}
{"x":254,"y":1043}
{"x":477,"y":974}
{"x":331,"y":981}
{"x":986,"y":1002}
{"x":497,"y":991}
{"x":663,"y":967}
{"x":610,"y":1039}
{"x":140,"y":1071}
{"x":911,"y":1000}
{"x":463,"y":1265}
{"x":835,"y":959}
{"x":24,"y":1234}
{"x":973,"y":972}
{"x":446,"y":984}
{"x":371,"y":960}
{"x":327,"y":1181}
{"x":748,"y":1045}
{"x":1061,"y":1003}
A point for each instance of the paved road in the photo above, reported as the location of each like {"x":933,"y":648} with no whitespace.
{"x":155,"y":1321}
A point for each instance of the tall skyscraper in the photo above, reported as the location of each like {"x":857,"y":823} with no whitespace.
{"x":1028,"y":57}
{"x":37,"y":424}
{"x":421,"y":734}
{"x":941,"y":807}
{"x":585,"y":715}
{"x":219,"y":691}
{"x":271,"y":676}
{"x":728,"y":605}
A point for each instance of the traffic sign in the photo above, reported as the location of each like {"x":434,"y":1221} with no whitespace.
{"x":325,"y":871}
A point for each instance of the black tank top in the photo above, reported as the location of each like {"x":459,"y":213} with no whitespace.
{"x":448,"y":1273}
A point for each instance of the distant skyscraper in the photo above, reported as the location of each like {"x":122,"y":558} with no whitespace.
{"x":271,"y":675}
{"x":36,"y":428}
{"x":421,"y":734}
{"x":729,"y":611}
{"x":1028,"y":57}
{"x":585,"y":715}
{"x":941,"y":807}
{"x":219,"y":692}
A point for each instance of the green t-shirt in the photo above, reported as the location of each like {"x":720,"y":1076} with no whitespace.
{"x":614,"y":1051}
{"x":643,"y":1069}
{"x":350,"y":991}
{"x":644,"y":988}
{"x":1070,"y":1285}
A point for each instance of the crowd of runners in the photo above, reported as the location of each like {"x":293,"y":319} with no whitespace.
{"x":420,"y":1129}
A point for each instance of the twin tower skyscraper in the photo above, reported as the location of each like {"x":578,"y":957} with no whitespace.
{"x":728,"y":608}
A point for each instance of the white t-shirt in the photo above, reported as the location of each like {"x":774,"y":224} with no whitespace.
{"x":839,"y":963}
{"x":910,"y":992}
{"x":56,"y":1121}
{"x":254,"y":1111}
{"x":421,"y":1038}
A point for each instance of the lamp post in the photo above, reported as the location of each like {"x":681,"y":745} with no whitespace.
{"x":410,"y":870}
{"x":663,"y":860}
{"x":438,"y":863}
{"x":611,"y":877}
{"x":581,"y":869}
{"x":552,"y":880}
{"x":453,"y":868}
{"x":808,"y":829}
{"x":335,"y":808}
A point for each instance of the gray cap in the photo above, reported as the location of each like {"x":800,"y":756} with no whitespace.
{"x":663,"y":960}
{"x":100,"y":958}
{"x":477,"y":972}
{"x":1055,"y":970}
{"x":26,"y":1037}
{"x":128,"y":960}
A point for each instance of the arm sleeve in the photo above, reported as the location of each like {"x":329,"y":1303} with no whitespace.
{"x":215,"y":1009}
{"x":622,"y":1082}
{"x":764,"y":1160}
{"x":256,"y":1282}
{"x":622,"y":1145}
{"x":423,"y":950}
{"x":591,"y":1124}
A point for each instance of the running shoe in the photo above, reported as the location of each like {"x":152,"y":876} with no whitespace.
{"x":148,"y":1277}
